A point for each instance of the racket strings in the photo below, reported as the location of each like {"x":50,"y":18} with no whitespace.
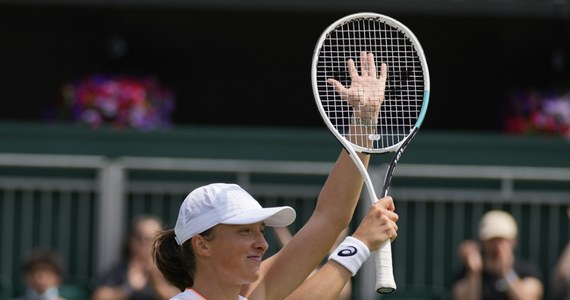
{"x":404,"y":90}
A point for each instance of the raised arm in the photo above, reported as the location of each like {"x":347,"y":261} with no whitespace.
{"x":376,"y":228}
{"x":335,"y":205}
{"x":470,"y":286}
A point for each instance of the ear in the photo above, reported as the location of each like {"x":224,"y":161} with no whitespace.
{"x":200,"y":246}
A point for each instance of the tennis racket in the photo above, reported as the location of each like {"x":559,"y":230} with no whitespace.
{"x":377,"y":58}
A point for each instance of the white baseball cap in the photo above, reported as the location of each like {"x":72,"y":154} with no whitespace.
{"x":497,"y":224}
{"x":223,"y":203}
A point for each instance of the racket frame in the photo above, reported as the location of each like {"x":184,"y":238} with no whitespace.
{"x":385,"y":282}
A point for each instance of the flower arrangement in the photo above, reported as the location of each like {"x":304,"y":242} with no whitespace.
{"x":532,"y":111}
{"x":119,"y":101}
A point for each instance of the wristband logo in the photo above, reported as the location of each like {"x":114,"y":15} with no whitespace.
{"x":350,"y":251}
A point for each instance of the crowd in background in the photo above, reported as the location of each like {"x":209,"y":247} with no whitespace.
{"x":490,"y":268}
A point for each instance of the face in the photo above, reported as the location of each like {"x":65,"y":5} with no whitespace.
{"x":497,"y":246}
{"x":236,"y":251}
{"x":42,"y":278}
{"x":143,"y":237}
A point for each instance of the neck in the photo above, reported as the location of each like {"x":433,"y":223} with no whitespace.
{"x":216,"y":289}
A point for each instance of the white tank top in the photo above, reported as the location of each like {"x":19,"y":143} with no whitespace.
{"x":190,"y":294}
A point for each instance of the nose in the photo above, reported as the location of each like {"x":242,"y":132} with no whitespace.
{"x":261,"y":242}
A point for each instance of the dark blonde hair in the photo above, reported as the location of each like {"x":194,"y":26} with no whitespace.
{"x":177,"y":263}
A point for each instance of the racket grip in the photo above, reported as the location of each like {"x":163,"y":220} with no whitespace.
{"x":385,"y":283}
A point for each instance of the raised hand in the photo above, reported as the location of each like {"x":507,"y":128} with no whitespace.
{"x":471,"y":256}
{"x":366,"y":91}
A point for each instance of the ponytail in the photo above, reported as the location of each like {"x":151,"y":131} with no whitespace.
{"x":176,"y":263}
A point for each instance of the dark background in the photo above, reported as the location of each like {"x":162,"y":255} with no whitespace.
{"x":251,"y":67}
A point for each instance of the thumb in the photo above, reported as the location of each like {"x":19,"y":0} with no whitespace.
{"x":337,"y":85}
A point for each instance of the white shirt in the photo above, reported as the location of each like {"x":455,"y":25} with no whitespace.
{"x":190,"y":294}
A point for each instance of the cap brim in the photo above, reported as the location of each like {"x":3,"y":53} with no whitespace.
{"x":272,"y":216}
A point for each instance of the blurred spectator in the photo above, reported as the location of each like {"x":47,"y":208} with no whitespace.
{"x":562,"y":272}
{"x":490,"y":269}
{"x":136,"y":277}
{"x":43,"y":276}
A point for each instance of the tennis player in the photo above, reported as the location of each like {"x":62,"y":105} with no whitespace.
{"x":216,"y":248}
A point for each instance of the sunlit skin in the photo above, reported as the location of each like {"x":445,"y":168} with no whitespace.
{"x":232,"y":253}
{"x":240,"y":249}
{"x":228,"y":259}
{"x":366,"y":91}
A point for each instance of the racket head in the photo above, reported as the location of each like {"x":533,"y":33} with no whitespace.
{"x":407,"y":86}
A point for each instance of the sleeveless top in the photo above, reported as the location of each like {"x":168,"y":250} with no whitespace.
{"x":190,"y":294}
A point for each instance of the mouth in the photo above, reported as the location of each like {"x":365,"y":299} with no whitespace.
{"x":256,"y":258}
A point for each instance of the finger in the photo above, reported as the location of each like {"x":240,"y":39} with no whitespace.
{"x":394,"y":236}
{"x":383,"y":72}
{"x":387,"y":203}
{"x":337,"y":86}
{"x":393,"y":216}
{"x":395,"y":226}
{"x":371,"y":65}
{"x":364,"y":68}
{"x":352,"y":69}
{"x":392,"y":231}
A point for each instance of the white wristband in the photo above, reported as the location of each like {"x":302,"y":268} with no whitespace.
{"x":351,"y":254}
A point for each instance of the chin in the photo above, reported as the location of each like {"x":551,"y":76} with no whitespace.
{"x":251,"y":277}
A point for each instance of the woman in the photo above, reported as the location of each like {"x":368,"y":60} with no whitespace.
{"x":136,"y":277}
{"x":215,"y":250}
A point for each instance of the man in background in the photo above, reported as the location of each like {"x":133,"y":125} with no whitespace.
{"x":490,"y":269}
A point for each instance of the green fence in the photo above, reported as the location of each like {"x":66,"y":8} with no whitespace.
{"x":75,"y":189}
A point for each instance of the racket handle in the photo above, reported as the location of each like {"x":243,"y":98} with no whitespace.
{"x":385,"y":283}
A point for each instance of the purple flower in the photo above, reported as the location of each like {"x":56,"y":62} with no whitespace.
{"x":118,"y":100}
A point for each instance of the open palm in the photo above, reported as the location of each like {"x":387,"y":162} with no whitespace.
{"x":366,"y":91}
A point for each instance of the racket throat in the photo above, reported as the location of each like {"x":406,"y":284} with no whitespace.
{"x":394,"y":162}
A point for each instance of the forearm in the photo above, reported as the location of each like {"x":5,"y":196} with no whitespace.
{"x":340,"y":193}
{"x":326,"y":283}
{"x":335,"y":207}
